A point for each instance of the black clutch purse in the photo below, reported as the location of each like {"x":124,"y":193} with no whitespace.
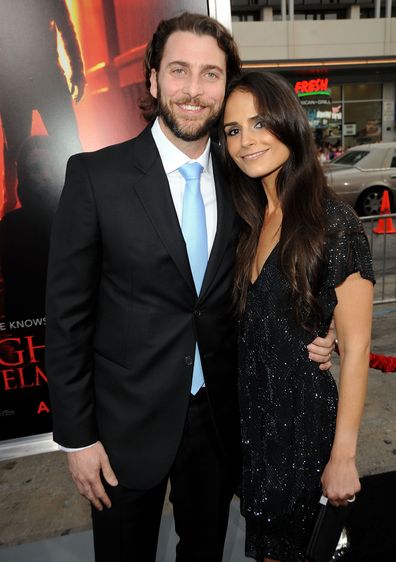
{"x":327,"y":531}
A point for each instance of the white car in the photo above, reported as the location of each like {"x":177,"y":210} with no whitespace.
{"x":362,"y":173}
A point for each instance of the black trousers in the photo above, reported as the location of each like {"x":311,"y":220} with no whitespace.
{"x":202,"y":487}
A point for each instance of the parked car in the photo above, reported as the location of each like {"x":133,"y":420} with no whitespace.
{"x":362,"y":173}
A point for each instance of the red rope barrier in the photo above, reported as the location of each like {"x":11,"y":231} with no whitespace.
{"x":384,"y":363}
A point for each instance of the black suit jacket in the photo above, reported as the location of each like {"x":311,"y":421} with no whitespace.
{"x":123,"y":315}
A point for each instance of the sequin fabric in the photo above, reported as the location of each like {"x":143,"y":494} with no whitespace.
{"x":288,"y":405}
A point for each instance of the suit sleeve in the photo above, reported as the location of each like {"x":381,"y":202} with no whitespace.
{"x":72,"y":284}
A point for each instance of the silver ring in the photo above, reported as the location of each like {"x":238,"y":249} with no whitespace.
{"x":352,"y":499}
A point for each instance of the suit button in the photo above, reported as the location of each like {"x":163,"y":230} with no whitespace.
{"x":197,"y":313}
{"x":188,"y":360}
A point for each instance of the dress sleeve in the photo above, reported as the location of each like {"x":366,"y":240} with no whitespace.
{"x":347,"y":248}
{"x":347,"y":251}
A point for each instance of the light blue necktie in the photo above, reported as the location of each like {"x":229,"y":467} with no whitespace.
{"x":195,"y":236}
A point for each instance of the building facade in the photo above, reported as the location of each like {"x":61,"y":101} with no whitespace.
{"x":339,"y":56}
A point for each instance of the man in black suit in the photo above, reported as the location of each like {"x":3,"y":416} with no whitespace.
{"x":124,"y":314}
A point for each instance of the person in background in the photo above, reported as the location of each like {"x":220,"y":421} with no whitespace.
{"x":322,"y":155}
{"x":302,"y":258}
{"x":337,"y":150}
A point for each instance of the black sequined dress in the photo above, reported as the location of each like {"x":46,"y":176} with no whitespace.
{"x":288,"y":405}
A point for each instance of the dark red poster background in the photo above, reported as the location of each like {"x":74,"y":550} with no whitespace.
{"x":70,"y":80}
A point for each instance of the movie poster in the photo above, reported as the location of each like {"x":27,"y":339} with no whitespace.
{"x":70,"y":80}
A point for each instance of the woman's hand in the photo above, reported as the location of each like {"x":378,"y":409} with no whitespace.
{"x":340,"y":481}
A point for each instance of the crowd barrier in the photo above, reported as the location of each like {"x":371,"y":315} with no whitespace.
{"x":383,"y":249}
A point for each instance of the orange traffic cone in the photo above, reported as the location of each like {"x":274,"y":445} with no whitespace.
{"x":385,"y":226}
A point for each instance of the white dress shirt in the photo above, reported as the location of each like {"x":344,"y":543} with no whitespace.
{"x":172,"y":158}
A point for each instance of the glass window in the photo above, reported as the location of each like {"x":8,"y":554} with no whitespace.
{"x":326,"y":123}
{"x":362,"y":92}
{"x":368,"y":119}
{"x":335,"y":92}
{"x":351,"y":158}
{"x":393,"y":162}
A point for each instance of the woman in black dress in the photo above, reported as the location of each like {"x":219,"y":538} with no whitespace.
{"x":302,"y":259}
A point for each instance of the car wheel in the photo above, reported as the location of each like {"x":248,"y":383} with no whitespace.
{"x":369,"y":202}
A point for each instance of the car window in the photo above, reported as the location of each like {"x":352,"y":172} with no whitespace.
{"x":351,"y":158}
{"x":393,"y":162}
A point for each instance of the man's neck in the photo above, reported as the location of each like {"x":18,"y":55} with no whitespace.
{"x":192,"y":149}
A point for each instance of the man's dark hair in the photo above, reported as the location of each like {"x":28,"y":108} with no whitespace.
{"x":194,"y":23}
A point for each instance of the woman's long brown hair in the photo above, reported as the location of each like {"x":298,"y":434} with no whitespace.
{"x":302,"y":191}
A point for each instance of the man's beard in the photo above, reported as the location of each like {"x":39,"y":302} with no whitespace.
{"x":181,"y":131}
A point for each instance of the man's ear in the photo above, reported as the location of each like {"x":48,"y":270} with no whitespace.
{"x":153,"y":83}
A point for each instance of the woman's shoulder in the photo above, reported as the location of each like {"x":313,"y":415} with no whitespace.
{"x":341,"y":217}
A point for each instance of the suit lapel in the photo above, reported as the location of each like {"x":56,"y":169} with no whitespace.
{"x":153,"y":191}
{"x":152,"y":188}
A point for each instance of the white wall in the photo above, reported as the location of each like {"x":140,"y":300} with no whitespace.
{"x":282,"y":40}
